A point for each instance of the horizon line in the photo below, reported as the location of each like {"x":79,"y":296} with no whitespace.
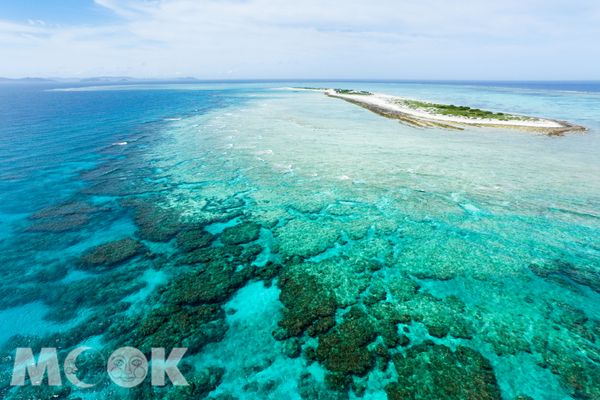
{"x":113,"y":78}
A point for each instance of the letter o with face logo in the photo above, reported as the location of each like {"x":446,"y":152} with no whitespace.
{"x":127,"y":367}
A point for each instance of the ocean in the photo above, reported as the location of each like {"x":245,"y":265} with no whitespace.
{"x":298,"y":246}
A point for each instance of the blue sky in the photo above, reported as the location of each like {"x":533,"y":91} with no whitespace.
{"x":356,"y":39}
{"x":55,"y":11}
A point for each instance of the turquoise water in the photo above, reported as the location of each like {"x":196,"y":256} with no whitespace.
{"x":302,"y":247}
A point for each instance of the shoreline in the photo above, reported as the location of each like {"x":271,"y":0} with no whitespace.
{"x":423,"y":114}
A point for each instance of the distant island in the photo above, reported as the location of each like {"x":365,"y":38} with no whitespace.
{"x":99,"y":79}
{"x":448,"y":116}
{"x":25,"y":80}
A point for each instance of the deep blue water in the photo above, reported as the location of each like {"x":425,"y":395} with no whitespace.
{"x":48,"y":137}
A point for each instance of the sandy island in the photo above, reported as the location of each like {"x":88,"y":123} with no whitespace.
{"x":426,"y":114}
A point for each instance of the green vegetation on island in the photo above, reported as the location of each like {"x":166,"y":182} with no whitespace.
{"x":351,"y":91}
{"x":460,"y":111}
{"x":338,"y":91}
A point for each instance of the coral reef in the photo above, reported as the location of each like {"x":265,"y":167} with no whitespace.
{"x":242,"y":233}
{"x":110,"y":254}
{"x":344,"y":349}
{"x":305,"y":238}
{"x":429,"y":371}
{"x":563,"y":272}
{"x":173,"y":326}
{"x":306,"y":302}
{"x":193,"y":238}
{"x":155,"y":222}
{"x":213,"y":284}
{"x":321,"y":279}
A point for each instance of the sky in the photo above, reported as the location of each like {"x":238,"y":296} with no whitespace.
{"x":309,"y":39}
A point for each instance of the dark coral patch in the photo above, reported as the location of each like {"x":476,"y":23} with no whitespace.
{"x":155,"y":222}
{"x":209,"y":285}
{"x":174,"y":326}
{"x":64,"y":217}
{"x":344,"y":349}
{"x":108,"y":288}
{"x":245,"y":232}
{"x":64,"y":209}
{"x":305,"y":301}
{"x":225,"y":254}
{"x":193,"y":238}
{"x":111,"y":254}
{"x":564,"y":272}
{"x":576,"y":363}
{"x":59,"y":224}
{"x":429,"y":371}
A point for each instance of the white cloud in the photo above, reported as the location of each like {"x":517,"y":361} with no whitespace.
{"x":463,"y":39}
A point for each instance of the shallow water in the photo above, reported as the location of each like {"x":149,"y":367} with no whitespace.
{"x":303,"y":247}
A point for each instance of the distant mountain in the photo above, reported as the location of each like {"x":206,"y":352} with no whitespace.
{"x":97,"y":80}
{"x":25,"y":80}
{"x":122,"y":79}
{"x":103,"y":79}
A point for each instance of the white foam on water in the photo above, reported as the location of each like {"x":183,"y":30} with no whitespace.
{"x":471,"y":208}
{"x":152,"y":278}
